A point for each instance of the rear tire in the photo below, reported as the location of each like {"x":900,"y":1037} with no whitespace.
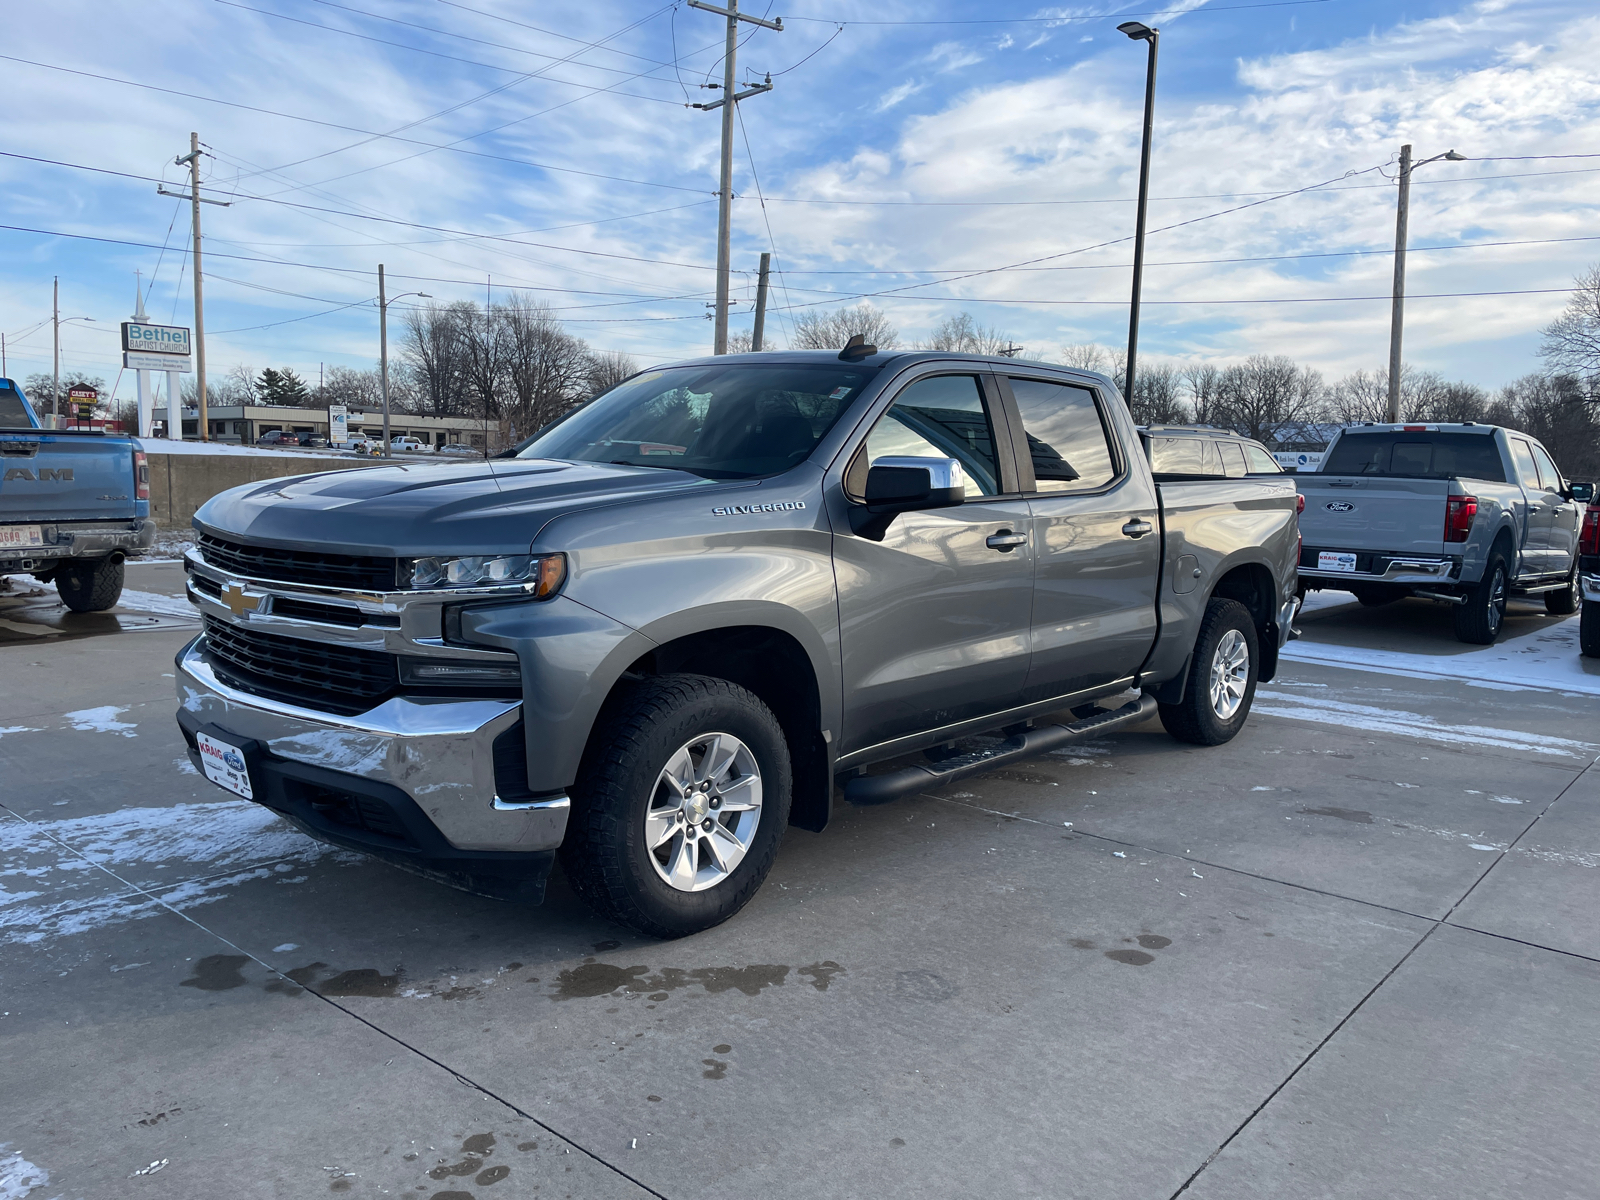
{"x":625,"y":816}
{"x":1589,"y":629}
{"x":1220,"y":688}
{"x":1478,"y":621}
{"x":90,"y":586}
{"x":1565,"y":602}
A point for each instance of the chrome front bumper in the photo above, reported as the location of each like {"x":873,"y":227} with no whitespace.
{"x":440,"y":753}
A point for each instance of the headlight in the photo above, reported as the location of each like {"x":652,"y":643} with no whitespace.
{"x":441,"y":671}
{"x":546,"y":572}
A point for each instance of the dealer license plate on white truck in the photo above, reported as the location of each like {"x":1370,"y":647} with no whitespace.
{"x":1335,"y":560}
{"x":224,"y":765}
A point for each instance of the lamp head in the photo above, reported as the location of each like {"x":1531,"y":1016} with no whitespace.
{"x":1137,"y":30}
{"x":1452,"y":156}
{"x":425,"y":295}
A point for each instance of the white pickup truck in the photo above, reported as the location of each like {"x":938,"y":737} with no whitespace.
{"x":1464,"y":513}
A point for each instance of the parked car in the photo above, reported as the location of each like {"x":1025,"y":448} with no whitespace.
{"x":73,"y":504}
{"x":457,"y":449}
{"x":657,"y":635}
{"x":278,"y":437}
{"x":1465,"y":513}
{"x":1203,"y":452}
{"x":311,"y":441}
{"x":1589,"y":571}
{"x":409,"y":444}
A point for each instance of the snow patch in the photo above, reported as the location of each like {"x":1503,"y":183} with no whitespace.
{"x":101,"y":720}
{"x":18,"y":1176}
{"x":155,"y":602}
{"x":5,"y":729}
{"x":1410,"y":724}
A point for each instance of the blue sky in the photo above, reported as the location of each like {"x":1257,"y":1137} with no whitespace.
{"x":893,"y":157}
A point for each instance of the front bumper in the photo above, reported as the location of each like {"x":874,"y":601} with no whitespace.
{"x":80,"y":539}
{"x":412,"y":780}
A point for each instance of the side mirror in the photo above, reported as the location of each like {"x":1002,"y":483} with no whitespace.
{"x":898,"y":485}
{"x":1583,"y":493}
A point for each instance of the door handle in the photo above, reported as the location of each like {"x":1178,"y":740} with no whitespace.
{"x":1005,"y":541}
{"x":1138,"y":527}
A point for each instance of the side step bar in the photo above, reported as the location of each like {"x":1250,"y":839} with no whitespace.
{"x":880,"y":789}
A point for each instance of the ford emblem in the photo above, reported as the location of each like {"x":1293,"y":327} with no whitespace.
{"x":1340,"y":506}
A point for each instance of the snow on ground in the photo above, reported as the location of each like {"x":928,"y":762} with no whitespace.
{"x":50,"y":887}
{"x":101,"y":720}
{"x":1544,"y":661}
{"x":155,"y":602}
{"x":168,"y":446}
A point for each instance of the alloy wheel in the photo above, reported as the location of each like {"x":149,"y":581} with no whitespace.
{"x":703,"y":812}
{"x":1230,"y":674}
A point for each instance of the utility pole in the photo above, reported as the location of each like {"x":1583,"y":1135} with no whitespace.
{"x":55,"y":320}
{"x":193,"y":160}
{"x":1398,"y":303}
{"x":760,"y":329}
{"x":725,"y":192}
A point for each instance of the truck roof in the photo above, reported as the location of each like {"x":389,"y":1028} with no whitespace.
{"x":1420,"y":427}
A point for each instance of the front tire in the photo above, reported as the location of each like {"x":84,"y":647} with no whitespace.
{"x":1222,"y":678}
{"x":90,"y":586}
{"x":1478,"y":621}
{"x":1565,"y":602}
{"x":680,"y":805}
{"x":1589,"y":629}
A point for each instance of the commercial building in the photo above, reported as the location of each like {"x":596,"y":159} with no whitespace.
{"x":244,"y":423}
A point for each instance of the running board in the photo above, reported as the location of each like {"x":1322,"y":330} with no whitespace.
{"x":880,"y":789}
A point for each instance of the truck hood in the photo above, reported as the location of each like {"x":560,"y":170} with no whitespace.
{"x":407,"y":509}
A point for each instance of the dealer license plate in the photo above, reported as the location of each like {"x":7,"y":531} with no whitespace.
{"x":224,"y":765}
{"x":1335,"y":560}
{"x":20,"y":537}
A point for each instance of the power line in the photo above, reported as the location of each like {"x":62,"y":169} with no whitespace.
{"x":553,"y":33}
{"x":456,"y":149}
{"x":1169,"y":12}
{"x":1386,"y":297}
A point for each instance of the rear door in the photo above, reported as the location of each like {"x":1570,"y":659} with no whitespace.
{"x":1096,"y":533}
{"x":934,"y":619}
{"x":1564,"y":516}
{"x":1537,"y":555}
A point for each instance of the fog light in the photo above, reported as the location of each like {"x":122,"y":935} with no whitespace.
{"x":436,"y":672}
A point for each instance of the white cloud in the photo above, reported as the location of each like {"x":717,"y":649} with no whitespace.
{"x":897,"y":94}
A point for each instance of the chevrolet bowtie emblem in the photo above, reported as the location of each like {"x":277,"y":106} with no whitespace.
{"x":238,"y":603}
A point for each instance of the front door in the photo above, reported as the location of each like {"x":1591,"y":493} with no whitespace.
{"x":1562,"y":544}
{"x":934,"y":619}
{"x":1097,"y":541}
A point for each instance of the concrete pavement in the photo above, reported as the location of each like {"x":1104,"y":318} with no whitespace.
{"x":1350,"y":954}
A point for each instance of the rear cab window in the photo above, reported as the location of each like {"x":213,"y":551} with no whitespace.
{"x":1431,"y":455}
{"x":1068,"y":445}
{"x":13,"y":412}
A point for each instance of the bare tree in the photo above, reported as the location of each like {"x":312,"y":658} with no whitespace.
{"x":355,"y":389}
{"x":1360,"y":396}
{"x":1086,"y":356}
{"x":1266,"y":393}
{"x":964,"y":335}
{"x":434,"y":352}
{"x":545,"y":367}
{"x":1203,"y":381}
{"x":606,"y":369}
{"x":830,"y":331}
{"x":1156,"y":396}
{"x":1572,"y":341}
{"x":740,"y":343}
{"x":1563,"y":412}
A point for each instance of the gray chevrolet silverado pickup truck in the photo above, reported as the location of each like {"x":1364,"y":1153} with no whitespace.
{"x":1466,"y":514}
{"x":662,"y":629}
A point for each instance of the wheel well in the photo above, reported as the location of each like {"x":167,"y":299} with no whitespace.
{"x":1251,"y":585}
{"x":1506,"y":548}
{"x":775,"y":667}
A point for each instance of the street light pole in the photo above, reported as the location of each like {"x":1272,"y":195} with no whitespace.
{"x":1140,"y":33}
{"x":1398,"y":300}
{"x":383,"y":350}
{"x":55,"y":320}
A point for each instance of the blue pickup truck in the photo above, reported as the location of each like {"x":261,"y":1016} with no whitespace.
{"x":73,"y":504}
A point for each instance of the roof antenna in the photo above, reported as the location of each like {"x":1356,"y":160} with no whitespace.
{"x":856,"y":349}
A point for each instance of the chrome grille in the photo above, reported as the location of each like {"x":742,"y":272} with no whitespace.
{"x":319,"y":675}
{"x":299,"y":566}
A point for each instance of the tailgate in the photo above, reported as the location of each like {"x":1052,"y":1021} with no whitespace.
{"x":49,"y":475}
{"x":1377,"y":513}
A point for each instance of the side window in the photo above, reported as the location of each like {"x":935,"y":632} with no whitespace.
{"x":1548,"y":475}
{"x":1527,"y":473}
{"x":1177,"y":456}
{"x":1261,"y":463}
{"x":1232,"y":459}
{"x":939,"y":417}
{"x":1066,"y":438}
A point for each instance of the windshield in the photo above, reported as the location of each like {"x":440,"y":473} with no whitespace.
{"x":740,"y":421}
{"x":1428,"y":455}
